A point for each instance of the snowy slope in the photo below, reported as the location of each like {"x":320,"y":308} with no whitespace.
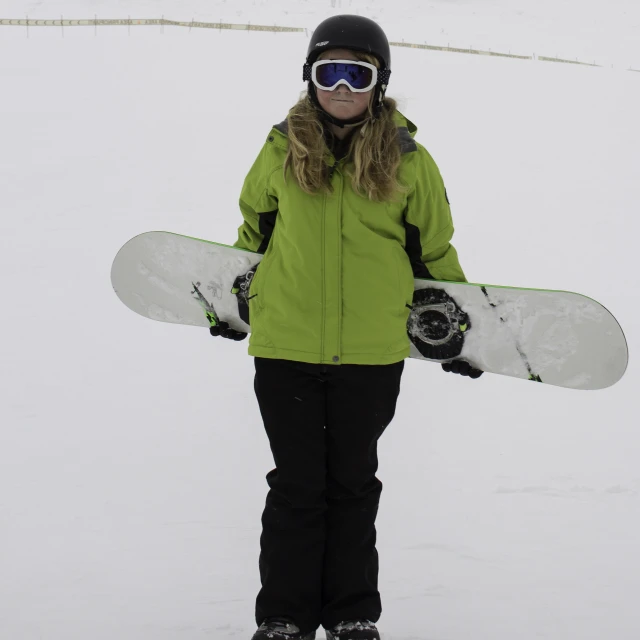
{"x":607,"y":32}
{"x":132,"y":456}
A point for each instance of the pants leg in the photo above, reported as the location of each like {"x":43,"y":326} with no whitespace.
{"x":361,"y":402}
{"x":318,"y":562}
{"x":291,"y":397}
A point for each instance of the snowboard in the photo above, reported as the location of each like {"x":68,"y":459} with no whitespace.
{"x":555,"y":337}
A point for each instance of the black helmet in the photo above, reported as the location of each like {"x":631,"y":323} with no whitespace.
{"x":357,"y":34}
{"x":350,"y":32}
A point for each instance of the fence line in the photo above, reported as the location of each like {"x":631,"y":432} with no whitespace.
{"x":129,"y":22}
{"x":564,"y":61}
{"x":432,"y":47}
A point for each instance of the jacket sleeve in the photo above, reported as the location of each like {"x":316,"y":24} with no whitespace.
{"x":428,"y":224}
{"x":259,"y":208}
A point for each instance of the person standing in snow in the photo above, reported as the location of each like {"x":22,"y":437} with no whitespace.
{"x":347,"y":209}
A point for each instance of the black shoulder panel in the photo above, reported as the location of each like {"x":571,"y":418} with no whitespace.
{"x":283,"y":127}
{"x":406,"y":142}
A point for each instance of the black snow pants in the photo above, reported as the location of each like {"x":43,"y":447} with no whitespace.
{"x":318,"y":560}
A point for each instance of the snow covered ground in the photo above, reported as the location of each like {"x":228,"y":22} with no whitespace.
{"x":604,"y":31}
{"x":132,"y":454}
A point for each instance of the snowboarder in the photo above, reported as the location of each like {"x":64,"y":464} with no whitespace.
{"x":347,"y":209}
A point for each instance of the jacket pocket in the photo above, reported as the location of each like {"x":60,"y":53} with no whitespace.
{"x":405,"y":278}
{"x":257,"y":304}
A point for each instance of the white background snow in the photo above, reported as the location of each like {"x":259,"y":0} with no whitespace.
{"x":132,"y":454}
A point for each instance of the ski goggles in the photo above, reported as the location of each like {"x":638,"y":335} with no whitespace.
{"x":358,"y":76}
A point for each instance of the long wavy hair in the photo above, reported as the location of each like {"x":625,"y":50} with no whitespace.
{"x":373,"y":157}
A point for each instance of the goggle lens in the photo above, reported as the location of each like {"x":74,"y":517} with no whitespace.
{"x":357,"y":76}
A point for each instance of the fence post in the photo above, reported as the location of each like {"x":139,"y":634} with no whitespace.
{"x":95,"y":24}
{"x":27,"y":27}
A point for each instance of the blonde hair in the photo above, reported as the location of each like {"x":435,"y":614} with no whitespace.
{"x":373,"y":157}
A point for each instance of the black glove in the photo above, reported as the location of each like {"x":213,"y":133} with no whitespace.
{"x":463,"y":368}
{"x":223,"y":329}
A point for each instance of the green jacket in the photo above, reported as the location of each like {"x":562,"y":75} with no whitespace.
{"x":336,"y":282}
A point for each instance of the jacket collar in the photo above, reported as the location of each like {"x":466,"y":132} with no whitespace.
{"x":406,"y":132}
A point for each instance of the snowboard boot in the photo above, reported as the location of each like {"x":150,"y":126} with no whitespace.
{"x":281,"y":629}
{"x":354,"y":630}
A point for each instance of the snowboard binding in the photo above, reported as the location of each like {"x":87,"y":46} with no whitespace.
{"x":437,"y":325}
{"x":217,"y":327}
{"x":240,"y":289}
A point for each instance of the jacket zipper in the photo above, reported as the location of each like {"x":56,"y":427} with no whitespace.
{"x":339,"y":239}
{"x":324,"y":296}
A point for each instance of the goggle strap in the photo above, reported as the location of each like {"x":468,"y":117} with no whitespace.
{"x":383,"y":76}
